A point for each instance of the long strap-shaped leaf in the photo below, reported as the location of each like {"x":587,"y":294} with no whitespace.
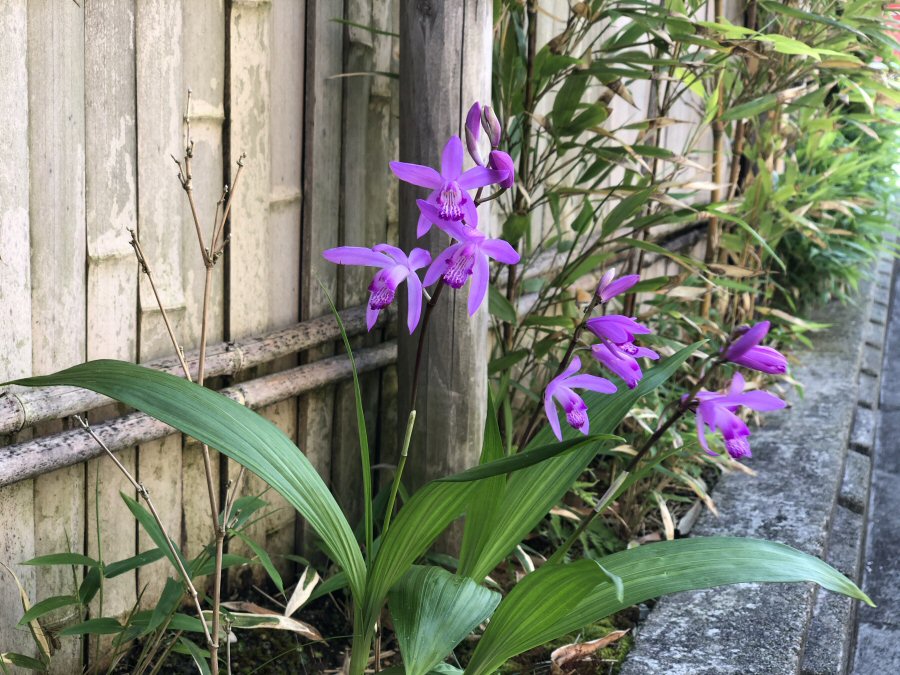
{"x":536,"y":610}
{"x":233,"y":430}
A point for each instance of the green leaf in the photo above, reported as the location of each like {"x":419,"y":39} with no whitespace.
{"x":751,"y":108}
{"x":526,"y":458}
{"x":101,"y":626}
{"x":365,"y":456}
{"x":624,"y":210}
{"x":152,"y":528}
{"x":500,"y":307}
{"x":515,"y":226}
{"x":243,"y":508}
{"x":507,"y":361}
{"x":90,"y":585}
{"x":198,"y":655}
{"x":122,"y":566}
{"x":566,"y":101}
{"x":433,"y":611}
{"x":233,"y":430}
{"x":585,"y":216}
{"x":22,"y":661}
{"x":539,"y":608}
{"x":46,"y":606}
{"x":264,"y":560}
{"x":204,"y":567}
{"x":63,"y":559}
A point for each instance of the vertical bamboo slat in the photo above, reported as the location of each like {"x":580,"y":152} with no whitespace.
{"x":160,"y":104}
{"x":321,"y":211}
{"x":249,"y":133}
{"x":445,"y":56}
{"x":16,"y":501}
{"x":56,"y":150}
{"x":285,"y":213}
{"x":111,"y":210}
{"x":203,"y":69}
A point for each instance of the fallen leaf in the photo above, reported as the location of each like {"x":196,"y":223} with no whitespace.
{"x":305,"y":586}
{"x":250,"y":616}
{"x":581,"y":650}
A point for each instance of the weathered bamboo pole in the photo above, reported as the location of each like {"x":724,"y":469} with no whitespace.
{"x":33,"y":458}
{"x":21,"y":408}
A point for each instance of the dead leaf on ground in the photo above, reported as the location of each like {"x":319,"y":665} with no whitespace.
{"x":249,"y":615}
{"x":579,"y":651}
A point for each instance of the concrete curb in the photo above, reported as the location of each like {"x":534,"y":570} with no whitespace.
{"x":811,"y":493}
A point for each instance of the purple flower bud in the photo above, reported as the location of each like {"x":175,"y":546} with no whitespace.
{"x":500,"y":161}
{"x":746,"y":351}
{"x":473,"y":133}
{"x":607,"y":289}
{"x":491,"y":126}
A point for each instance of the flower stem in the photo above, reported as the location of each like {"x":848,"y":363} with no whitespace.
{"x":429,"y":308}
{"x":395,"y":486}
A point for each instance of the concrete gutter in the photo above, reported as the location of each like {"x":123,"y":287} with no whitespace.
{"x":811,"y":492}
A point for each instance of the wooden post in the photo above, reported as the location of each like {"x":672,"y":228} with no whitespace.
{"x":445,"y":65}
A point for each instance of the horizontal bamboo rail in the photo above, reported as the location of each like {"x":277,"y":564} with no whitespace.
{"x":32,"y":458}
{"x":23,"y":407}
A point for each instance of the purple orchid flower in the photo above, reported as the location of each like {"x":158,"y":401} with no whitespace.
{"x":467,"y":257}
{"x":745,"y":351}
{"x":395,"y":267}
{"x":607,"y":289}
{"x":473,"y":133}
{"x":449,"y":186}
{"x":617,"y":332}
{"x":623,"y":364}
{"x":501,"y":161}
{"x":560,"y":390}
{"x":717,"y":412}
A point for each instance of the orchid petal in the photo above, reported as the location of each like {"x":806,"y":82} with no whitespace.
{"x":418,"y":258}
{"x":592,"y":383}
{"x":501,"y":251}
{"x":371,"y":317}
{"x":619,"y":286}
{"x":452,"y":159}
{"x":761,"y":401}
{"x":478,"y":176}
{"x":417,"y":174}
{"x":454,"y":229}
{"x":470,"y":213}
{"x":397,"y":254}
{"x":749,"y":339}
{"x":356,"y":255}
{"x":737,"y":384}
{"x":701,"y":432}
{"x":552,"y":414}
{"x":481,"y":274}
{"x":423,"y":226}
{"x":414,"y":306}
{"x":573,"y":367}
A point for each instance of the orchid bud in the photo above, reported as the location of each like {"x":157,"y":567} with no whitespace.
{"x":607,"y":289}
{"x":491,"y":126}
{"x":500,"y":161}
{"x":473,"y":133}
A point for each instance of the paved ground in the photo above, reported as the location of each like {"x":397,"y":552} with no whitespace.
{"x":878,"y":637}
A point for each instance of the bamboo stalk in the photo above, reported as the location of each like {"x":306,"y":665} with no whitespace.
{"x":32,"y":458}
{"x":21,"y":408}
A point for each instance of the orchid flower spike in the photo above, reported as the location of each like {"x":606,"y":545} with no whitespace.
{"x":608,"y":288}
{"x":560,"y":391}
{"x":746,"y":351}
{"x":449,"y":186}
{"x":467,"y":257}
{"x":473,"y":133}
{"x":395,"y":267}
{"x":623,"y":364}
{"x":717,"y":413}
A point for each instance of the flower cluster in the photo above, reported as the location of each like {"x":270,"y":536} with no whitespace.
{"x":452,"y":208}
{"x":617,"y":352}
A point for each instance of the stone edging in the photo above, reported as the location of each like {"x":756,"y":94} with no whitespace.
{"x":811,"y":492}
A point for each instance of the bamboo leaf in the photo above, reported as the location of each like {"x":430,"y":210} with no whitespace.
{"x":63,"y":559}
{"x":233,"y":430}
{"x":433,"y":611}
{"x":539,"y":609}
{"x":121,"y":566}
{"x":22,"y":661}
{"x":101,"y":626}
{"x":46,"y":606}
{"x":264,"y":560}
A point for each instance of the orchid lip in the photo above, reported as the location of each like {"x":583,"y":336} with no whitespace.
{"x":451,"y":198}
{"x":459,"y":269}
